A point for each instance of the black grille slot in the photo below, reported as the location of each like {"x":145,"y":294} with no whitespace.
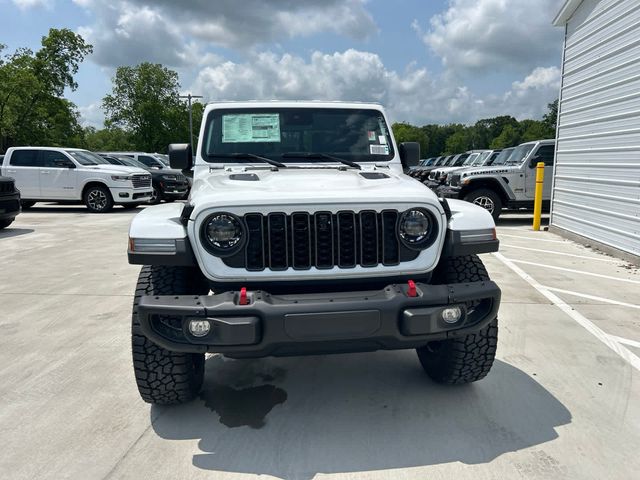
{"x":368,"y":239}
{"x":323,"y":223}
{"x":346,"y":239}
{"x":390,"y":250}
{"x":322,"y":240}
{"x":6,"y":187}
{"x":255,"y":242}
{"x":301,"y":239}
{"x":277,"y":225}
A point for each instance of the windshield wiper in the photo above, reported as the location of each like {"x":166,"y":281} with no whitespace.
{"x":248,"y":156}
{"x":323,"y":156}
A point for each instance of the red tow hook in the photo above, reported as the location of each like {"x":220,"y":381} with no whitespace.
{"x":243,"y":300}
{"x":412,"y":291}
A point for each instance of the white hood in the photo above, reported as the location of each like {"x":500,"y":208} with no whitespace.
{"x":118,"y":169}
{"x":306,"y":186}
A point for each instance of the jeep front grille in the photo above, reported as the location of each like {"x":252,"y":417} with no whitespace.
{"x":141,"y":181}
{"x":455,"y":180}
{"x":323,"y":240}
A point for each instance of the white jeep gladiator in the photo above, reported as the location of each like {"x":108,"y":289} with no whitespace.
{"x":72,"y":174}
{"x":302,"y":235}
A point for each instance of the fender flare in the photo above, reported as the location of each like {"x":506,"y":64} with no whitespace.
{"x":498,"y":184}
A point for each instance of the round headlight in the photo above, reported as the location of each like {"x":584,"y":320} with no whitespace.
{"x":416,"y":228}
{"x":223,"y":232}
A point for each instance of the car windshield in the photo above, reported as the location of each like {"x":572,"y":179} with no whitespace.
{"x":86,"y":158}
{"x":131,"y":162}
{"x":503,"y":157}
{"x":519,"y":154}
{"x":163,"y":158}
{"x":470,"y":159}
{"x":479,"y":160}
{"x":359,"y":135}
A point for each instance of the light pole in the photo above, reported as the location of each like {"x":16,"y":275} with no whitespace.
{"x":189,"y":97}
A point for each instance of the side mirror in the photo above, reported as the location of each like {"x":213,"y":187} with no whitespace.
{"x":409,"y":154}
{"x":180,"y":156}
{"x":63,"y":163}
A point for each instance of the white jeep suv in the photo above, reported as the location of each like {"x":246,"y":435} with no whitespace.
{"x":302,"y":235}
{"x":72,"y":174}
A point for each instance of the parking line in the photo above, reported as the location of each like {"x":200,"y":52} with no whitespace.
{"x":566,"y":242}
{"x":593,"y":297}
{"x":625,"y":341}
{"x":581,"y":272}
{"x":552,"y":252}
{"x":605,"y":338}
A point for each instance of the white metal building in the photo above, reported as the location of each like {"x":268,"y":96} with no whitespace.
{"x":596,"y":191}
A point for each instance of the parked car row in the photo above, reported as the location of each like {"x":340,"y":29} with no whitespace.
{"x":100,"y":181}
{"x":493,"y":179}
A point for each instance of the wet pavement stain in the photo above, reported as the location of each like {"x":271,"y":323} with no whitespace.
{"x":244,"y":406}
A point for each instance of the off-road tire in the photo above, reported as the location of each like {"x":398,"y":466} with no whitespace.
{"x":165,"y":377}
{"x":5,"y":223}
{"x":26,"y":204}
{"x":483,"y":197}
{"x":103,"y":201}
{"x":468,"y":358}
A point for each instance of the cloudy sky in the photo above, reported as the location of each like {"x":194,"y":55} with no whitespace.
{"x":427,"y":61}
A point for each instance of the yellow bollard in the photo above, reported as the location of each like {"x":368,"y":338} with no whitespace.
{"x":537,"y":202}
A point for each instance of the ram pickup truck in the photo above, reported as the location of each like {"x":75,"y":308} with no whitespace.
{"x":71,"y":174}
{"x":510,"y":185}
{"x":302,"y":235}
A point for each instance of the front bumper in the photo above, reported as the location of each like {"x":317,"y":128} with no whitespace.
{"x":130,"y":195}
{"x":172,"y":189}
{"x":317,"y":323}
{"x":9,"y":206}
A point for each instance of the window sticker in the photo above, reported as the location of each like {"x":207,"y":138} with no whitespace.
{"x":372,"y":135}
{"x":379,"y":149}
{"x":382,"y":140}
{"x":251,"y":127}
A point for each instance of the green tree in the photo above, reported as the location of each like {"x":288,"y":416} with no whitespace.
{"x":145,"y":103}
{"x":460,"y":141}
{"x":404,"y":132}
{"x":107,"y":139}
{"x":535,"y":130}
{"x":32,"y":107}
{"x":509,"y":137}
{"x":550,"y":118}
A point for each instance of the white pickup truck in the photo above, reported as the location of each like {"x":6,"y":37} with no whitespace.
{"x":71,"y":174}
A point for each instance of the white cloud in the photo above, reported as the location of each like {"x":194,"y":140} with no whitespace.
{"x":91,"y":115}
{"x":414,"y":95}
{"x":27,"y":4}
{"x":490,"y":35}
{"x":175,"y":33}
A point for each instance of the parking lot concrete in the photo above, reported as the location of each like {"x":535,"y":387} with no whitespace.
{"x":562,"y":400}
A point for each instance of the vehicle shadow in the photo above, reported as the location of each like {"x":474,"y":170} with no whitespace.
{"x":297,"y":417}
{"x":520,"y":220}
{"x":15,"y":232}
{"x":77,"y":208}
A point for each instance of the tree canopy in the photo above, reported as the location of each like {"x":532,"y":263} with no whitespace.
{"x":33,"y":110}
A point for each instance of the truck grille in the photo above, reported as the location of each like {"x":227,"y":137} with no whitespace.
{"x":454,"y":180}
{"x":323,"y":240}
{"x":141,"y":181}
{"x":7,"y":187}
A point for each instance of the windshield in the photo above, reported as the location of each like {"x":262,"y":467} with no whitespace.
{"x":163,"y":158}
{"x":84,"y":157}
{"x":131,"y":162}
{"x":503,"y":157}
{"x":519,"y":154}
{"x":351,"y":134}
{"x":479,"y":160}
{"x":470,"y":159}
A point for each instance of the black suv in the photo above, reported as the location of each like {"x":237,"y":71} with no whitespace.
{"x":168,"y":184}
{"x":9,"y":201}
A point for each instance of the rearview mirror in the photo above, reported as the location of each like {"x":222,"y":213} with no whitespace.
{"x":180,"y":156}
{"x":409,"y":154}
